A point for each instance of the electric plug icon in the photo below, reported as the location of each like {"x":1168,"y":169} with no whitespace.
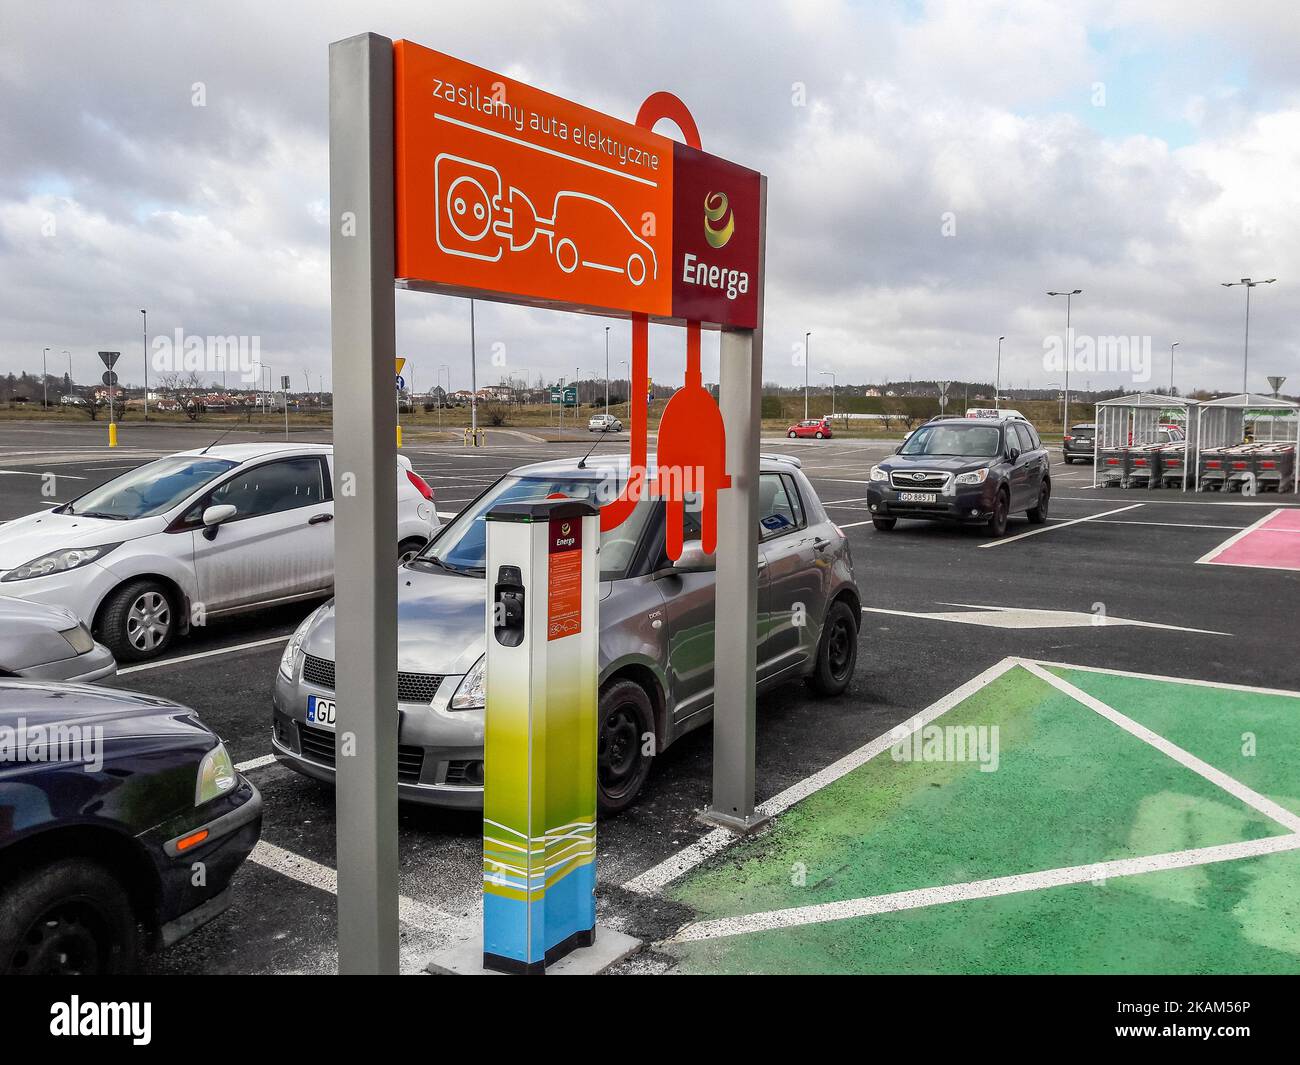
{"x":691,"y":456}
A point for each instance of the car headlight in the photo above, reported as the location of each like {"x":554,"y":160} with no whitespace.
{"x":79,"y":639}
{"x":974,"y":477}
{"x":289,"y":658}
{"x":877,"y":474}
{"x":472,"y":693}
{"x":216,"y":775}
{"x":58,"y":562}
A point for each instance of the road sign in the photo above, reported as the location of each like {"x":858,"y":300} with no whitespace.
{"x":109,"y":378}
{"x":568,"y":396}
{"x":284,"y":383}
{"x":401,"y":383}
{"x":397,"y":366}
{"x":108,"y":358}
{"x":1276,"y":384}
{"x":534,"y":199}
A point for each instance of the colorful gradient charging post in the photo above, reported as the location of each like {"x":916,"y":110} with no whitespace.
{"x":539,"y":790}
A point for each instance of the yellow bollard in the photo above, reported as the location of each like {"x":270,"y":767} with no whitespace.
{"x":112,"y":434}
{"x":399,"y":436}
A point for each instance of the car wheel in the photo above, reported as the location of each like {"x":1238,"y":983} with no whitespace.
{"x":625,"y":720}
{"x":1038,"y":514}
{"x":1001,"y":511}
{"x":791,"y":434}
{"x":138,"y":621}
{"x":884,"y":524}
{"x":837,"y":652}
{"x":409,"y":548}
{"x":71,"y":917}
{"x":820,"y":437}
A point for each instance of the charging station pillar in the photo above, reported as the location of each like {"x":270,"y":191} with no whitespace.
{"x":539,"y":789}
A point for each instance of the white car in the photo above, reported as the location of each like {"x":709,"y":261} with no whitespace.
{"x":192,"y":536}
{"x":604,"y":423}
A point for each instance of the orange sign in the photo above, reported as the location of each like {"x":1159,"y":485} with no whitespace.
{"x":564,"y":579}
{"x":507,"y":189}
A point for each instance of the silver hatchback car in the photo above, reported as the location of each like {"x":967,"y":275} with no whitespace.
{"x":656,"y":635}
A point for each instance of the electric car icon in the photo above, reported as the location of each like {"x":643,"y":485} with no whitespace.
{"x":476,"y":219}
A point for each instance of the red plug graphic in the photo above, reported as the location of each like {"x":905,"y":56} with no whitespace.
{"x":692,"y":455}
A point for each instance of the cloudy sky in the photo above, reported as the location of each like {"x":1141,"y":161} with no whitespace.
{"x":934,"y":168}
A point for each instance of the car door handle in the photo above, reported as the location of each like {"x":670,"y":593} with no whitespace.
{"x":821,"y":543}
{"x":316,"y":519}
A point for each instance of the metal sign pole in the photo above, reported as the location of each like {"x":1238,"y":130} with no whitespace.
{"x":365,"y":494}
{"x":740,"y":394}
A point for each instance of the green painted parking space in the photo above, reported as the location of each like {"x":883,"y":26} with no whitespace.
{"x":1059,"y":839}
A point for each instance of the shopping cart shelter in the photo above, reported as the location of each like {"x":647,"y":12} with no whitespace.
{"x":1041,"y":818}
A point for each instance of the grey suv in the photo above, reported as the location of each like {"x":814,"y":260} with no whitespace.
{"x":656,"y":639}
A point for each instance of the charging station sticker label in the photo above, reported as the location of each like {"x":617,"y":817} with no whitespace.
{"x":564,"y":579}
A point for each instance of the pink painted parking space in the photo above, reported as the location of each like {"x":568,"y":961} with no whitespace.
{"x":1273,"y":542}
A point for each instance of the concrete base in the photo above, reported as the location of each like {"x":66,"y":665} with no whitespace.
{"x":464,"y":955}
{"x":739,"y":825}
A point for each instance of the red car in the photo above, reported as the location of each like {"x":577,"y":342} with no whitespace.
{"x":819,"y":428}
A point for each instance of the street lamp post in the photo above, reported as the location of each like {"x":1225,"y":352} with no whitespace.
{"x":1171,"y":365}
{"x":805,"y":375}
{"x":997,"y":384}
{"x":831,"y":375}
{"x":1245,"y":353}
{"x":606,"y":371}
{"x":45,"y":388}
{"x":1069,"y":355}
{"x":473,"y":379}
{"x":144,"y":333}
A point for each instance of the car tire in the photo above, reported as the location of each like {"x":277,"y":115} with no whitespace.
{"x":819,"y":436}
{"x":1038,"y":515}
{"x":884,"y":524}
{"x":71,"y":916}
{"x":997,"y":524}
{"x":792,"y":435}
{"x":409,"y":548}
{"x":624,"y":719}
{"x":1068,"y":461}
{"x":837,"y":651}
{"x":138,"y":620}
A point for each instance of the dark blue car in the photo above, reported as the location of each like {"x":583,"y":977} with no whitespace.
{"x":122,"y":822}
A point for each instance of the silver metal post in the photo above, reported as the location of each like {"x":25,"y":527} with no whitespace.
{"x":145,"y":329}
{"x":740,"y":391}
{"x":473,"y":379}
{"x":365,"y":492}
{"x":606,"y":371}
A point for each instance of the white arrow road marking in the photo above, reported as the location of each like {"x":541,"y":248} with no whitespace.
{"x":1012,"y":617}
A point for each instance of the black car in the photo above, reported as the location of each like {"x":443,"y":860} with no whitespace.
{"x":122,"y":822}
{"x":971,"y":470}
{"x":1079,"y":442}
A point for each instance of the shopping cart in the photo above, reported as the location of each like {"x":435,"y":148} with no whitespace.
{"x":1274,"y":466}
{"x":1212,"y":472}
{"x":1113,"y":464}
{"x":1143,"y":462}
{"x":1173,"y":460}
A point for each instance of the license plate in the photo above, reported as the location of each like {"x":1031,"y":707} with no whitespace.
{"x":1083,"y":440}
{"x":917,"y":497}
{"x":320,"y":712}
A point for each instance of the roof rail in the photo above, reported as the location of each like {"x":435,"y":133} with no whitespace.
{"x":782,"y":458}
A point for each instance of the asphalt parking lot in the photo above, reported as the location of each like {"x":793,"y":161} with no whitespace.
{"x":1112,"y":581}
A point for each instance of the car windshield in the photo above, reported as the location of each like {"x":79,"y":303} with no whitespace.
{"x":150,"y":489}
{"x":462,"y":545}
{"x":1087,"y":427}
{"x":939,"y":438}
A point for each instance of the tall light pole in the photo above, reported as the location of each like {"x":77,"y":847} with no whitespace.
{"x":45,"y":388}
{"x":606,"y":371}
{"x":997,"y":384}
{"x":1171,"y":365}
{"x":831,"y":375}
{"x":473,"y":379}
{"x":1245,"y":353}
{"x":144,"y":332}
{"x":1069,"y":355}
{"x":805,"y":375}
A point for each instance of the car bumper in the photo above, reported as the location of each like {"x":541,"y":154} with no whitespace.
{"x":967,"y":504}
{"x":95,"y":664}
{"x":440,"y":752}
{"x":233,"y":824}
{"x":1077,"y":451}
{"x":80,"y":590}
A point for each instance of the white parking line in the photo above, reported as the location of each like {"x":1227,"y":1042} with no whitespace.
{"x":163,"y":662}
{"x":410,"y":912}
{"x":42,"y":473}
{"x":1059,"y":525}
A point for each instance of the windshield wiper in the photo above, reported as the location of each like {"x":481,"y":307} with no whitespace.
{"x":101,"y":514}
{"x":435,"y":560}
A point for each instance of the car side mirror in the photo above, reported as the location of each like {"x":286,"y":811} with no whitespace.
{"x":214,"y":516}
{"x":693,"y":559}
{"x":1013,"y":453}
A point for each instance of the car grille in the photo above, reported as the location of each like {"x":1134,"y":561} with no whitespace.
{"x":907,"y":480}
{"x":411,"y":687}
{"x":317,"y":745}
